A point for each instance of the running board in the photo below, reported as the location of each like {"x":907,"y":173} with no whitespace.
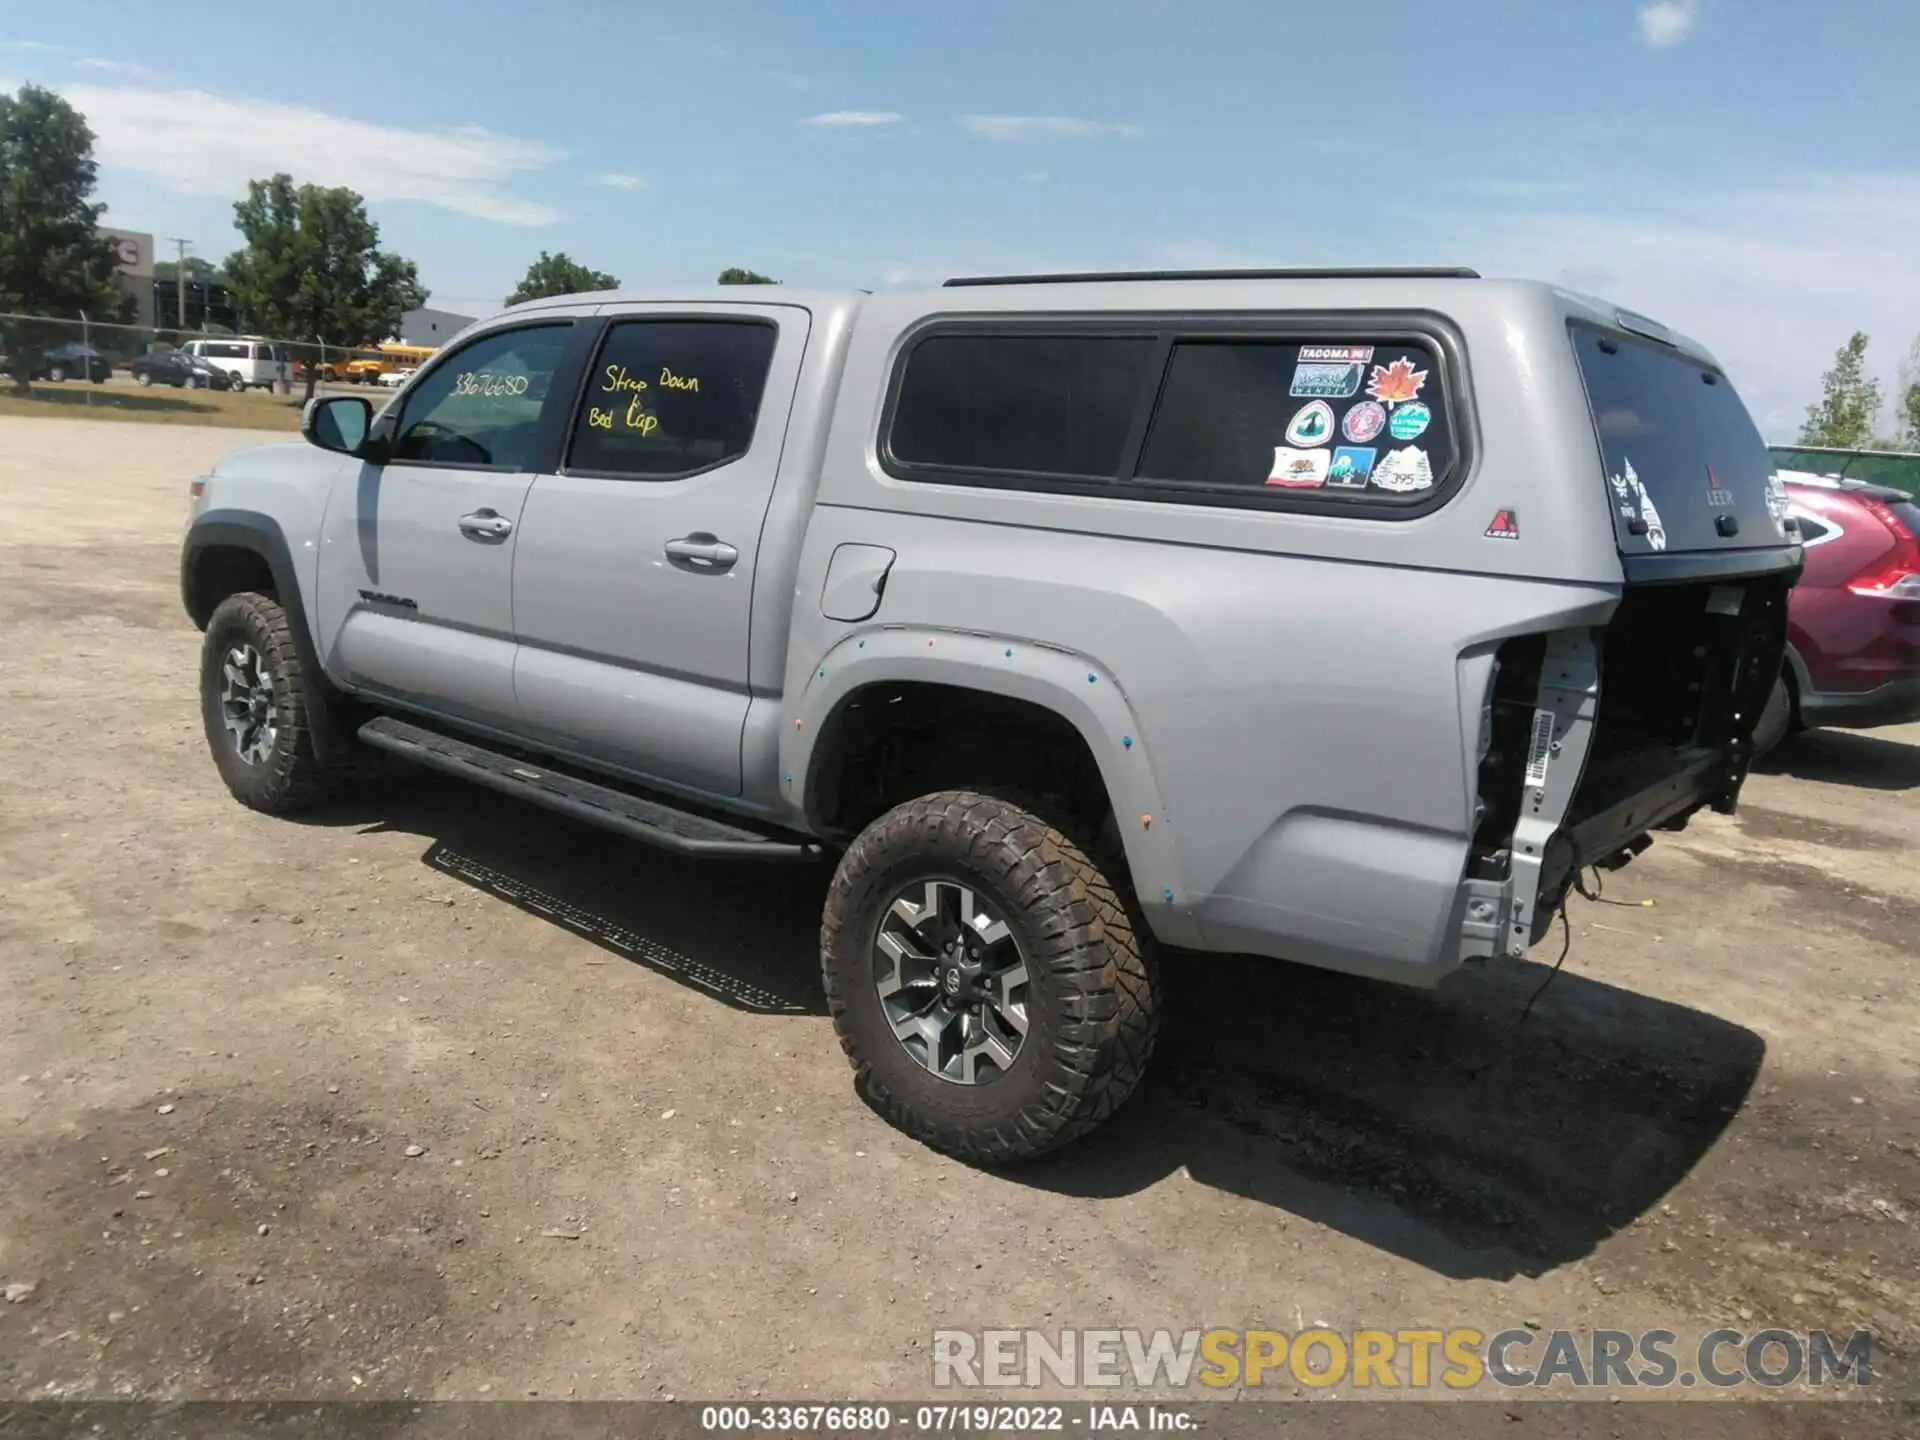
{"x":617,"y":810}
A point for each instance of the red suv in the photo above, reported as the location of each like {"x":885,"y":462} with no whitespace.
{"x":1853,"y":634}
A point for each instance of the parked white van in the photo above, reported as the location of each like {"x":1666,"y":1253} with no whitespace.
{"x":247,"y":359}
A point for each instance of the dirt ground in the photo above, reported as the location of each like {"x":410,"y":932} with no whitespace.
{"x":431,"y":1095}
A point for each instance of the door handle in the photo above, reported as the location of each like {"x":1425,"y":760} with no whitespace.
{"x":701,"y":551}
{"x":486,"y":525}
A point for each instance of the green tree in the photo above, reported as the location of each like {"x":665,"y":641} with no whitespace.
{"x":313,"y":268}
{"x":1849,"y":402}
{"x":559,"y":275}
{"x":735,"y":275}
{"x":53,"y":260}
{"x":1906,"y":402}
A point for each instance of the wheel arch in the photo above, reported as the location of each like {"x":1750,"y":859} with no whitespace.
{"x":227,"y":551}
{"x":1076,"y":692}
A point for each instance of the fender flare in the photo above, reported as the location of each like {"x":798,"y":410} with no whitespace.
{"x":1081,"y":691}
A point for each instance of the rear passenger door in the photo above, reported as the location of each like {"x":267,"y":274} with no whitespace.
{"x":633,"y":583}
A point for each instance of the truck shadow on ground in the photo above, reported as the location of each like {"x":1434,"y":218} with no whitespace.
{"x":1845,"y":757}
{"x":1433,"y":1125}
{"x":745,"y":933}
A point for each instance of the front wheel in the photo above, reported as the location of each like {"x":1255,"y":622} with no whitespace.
{"x":264,"y":715}
{"x":236,"y":384}
{"x":985,"y":977}
{"x":57,"y":373}
{"x":142,"y":378}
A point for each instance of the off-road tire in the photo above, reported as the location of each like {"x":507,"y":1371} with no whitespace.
{"x":1776,"y":718}
{"x":295,"y":774}
{"x":1093,"y":990}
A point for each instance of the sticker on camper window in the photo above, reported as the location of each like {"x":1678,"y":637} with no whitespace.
{"x":1331,"y":381}
{"x":1298,"y":469}
{"x":1336,"y":354}
{"x":1364,"y":421}
{"x":1397,"y":383}
{"x":1410,"y":421}
{"x":1404,"y":471}
{"x":1777,"y":504}
{"x":1540,"y":751}
{"x":1634,"y":494}
{"x":1313,"y":425}
{"x":1351,"y":468}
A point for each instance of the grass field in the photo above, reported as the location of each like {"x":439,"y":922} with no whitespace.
{"x":116,"y":400}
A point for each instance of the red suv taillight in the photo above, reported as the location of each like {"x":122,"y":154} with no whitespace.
{"x":1896,"y":574}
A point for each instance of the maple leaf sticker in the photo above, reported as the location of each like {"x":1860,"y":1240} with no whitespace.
{"x":1397,"y":383}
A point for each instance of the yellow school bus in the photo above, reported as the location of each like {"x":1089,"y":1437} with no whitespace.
{"x":368,"y":366}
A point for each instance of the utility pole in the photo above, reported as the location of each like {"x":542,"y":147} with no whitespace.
{"x":180,"y":276}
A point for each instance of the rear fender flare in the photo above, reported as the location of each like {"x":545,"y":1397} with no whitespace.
{"x":1081,"y":691}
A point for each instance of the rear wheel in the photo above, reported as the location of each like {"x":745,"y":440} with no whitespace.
{"x":57,"y":373}
{"x":985,"y":977}
{"x":263,"y":713}
{"x":141,"y":377}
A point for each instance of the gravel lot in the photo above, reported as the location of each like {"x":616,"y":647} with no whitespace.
{"x":432,"y":1095}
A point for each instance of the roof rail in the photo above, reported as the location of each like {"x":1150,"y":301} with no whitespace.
{"x":1389,"y":272}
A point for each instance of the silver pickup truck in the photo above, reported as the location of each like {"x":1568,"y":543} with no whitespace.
{"x":1338,"y":617}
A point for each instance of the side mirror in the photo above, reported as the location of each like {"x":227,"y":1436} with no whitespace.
{"x":337,"y":422}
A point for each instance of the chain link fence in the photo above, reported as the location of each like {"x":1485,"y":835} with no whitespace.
{"x":43,"y":349}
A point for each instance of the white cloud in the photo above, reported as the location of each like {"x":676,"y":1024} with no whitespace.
{"x":114,"y":67}
{"x":1037,"y":177}
{"x":617,"y":181}
{"x":839,"y":118}
{"x":1045,"y":127}
{"x":1668,"y":22}
{"x":896,"y":276}
{"x":205,"y":144}
{"x":1753,"y":272}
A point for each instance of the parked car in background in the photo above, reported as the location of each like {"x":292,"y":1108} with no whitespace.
{"x":1853,"y":621}
{"x":394,"y":379}
{"x":178,"y":369}
{"x":247,"y":360}
{"x":75,"y":361}
{"x":1896,"y":469}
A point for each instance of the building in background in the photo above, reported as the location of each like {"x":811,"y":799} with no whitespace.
{"x":133,"y":277}
{"x":431,"y":327}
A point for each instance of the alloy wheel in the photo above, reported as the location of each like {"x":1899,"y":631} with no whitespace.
{"x":246,"y":705}
{"x":952,"y":981}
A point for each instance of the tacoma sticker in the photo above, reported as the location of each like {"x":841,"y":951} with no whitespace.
{"x":1504,"y":526}
{"x":1410,"y":421}
{"x":1352,"y":467}
{"x":1333,"y":381}
{"x":1312,"y":426}
{"x":1336,"y":354}
{"x":1298,"y":469}
{"x":1364,"y":421}
{"x":1397,"y":383}
{"x":1404,"y":471}
{"x":1540,"y":751}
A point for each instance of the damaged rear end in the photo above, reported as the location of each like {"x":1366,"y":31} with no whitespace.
{"x":1593,"y":738}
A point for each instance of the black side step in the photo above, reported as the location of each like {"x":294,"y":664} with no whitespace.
{"x":617,"y":810}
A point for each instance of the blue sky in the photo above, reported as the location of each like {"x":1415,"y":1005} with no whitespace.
{"x":1743,"y":169}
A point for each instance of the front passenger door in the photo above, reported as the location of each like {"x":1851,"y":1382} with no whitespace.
{"x":416,"y":568}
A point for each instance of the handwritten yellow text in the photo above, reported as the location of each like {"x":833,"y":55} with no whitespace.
{"x":645,"y":421}
{"x":671,"y":381}
{"x":618,"y":378}
{"x":598,"y":419}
